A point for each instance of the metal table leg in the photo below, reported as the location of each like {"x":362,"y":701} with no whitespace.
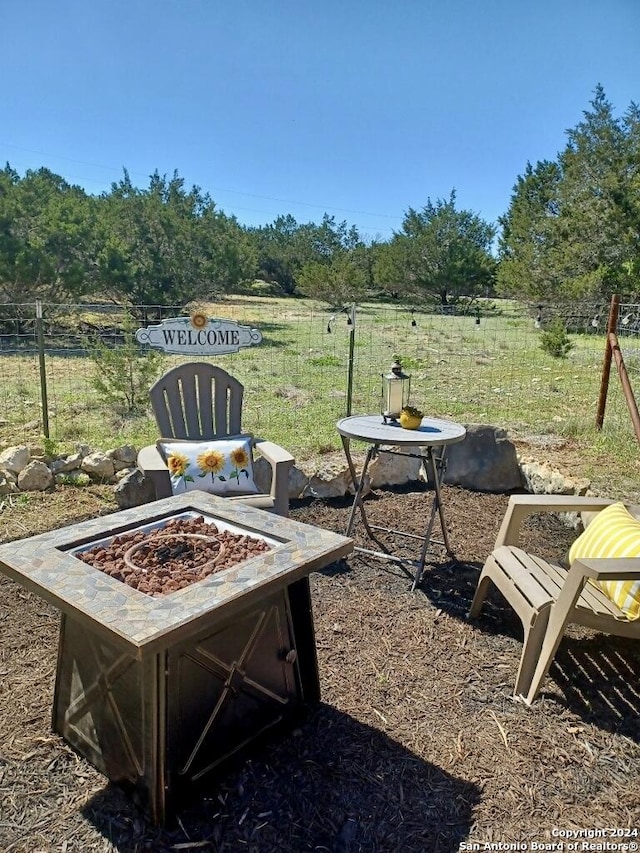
{"x":433,"y":464}
{"x":358,"y":485}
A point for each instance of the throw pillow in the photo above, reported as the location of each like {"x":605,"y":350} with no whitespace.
{"x":614,"y":532}
{"x":221,"y":466}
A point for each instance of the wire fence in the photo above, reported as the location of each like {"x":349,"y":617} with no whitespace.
{"x":312,"y":366}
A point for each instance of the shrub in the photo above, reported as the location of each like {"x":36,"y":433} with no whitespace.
{"x":125,"y":372}
{"x":554,"y":340}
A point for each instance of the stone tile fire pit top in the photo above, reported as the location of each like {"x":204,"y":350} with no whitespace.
{"x":144,"y":624}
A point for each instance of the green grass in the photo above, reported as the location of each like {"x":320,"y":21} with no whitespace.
{"x":296,"y":381}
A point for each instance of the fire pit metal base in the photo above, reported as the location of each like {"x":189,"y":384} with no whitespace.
{"x":162,"y":725}
{"x":159,"y":693}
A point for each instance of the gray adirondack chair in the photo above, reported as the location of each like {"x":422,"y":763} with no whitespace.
{"x":547,"y":596}
{"x":197,"y":401}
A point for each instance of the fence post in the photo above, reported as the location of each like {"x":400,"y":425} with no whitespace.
{"x":43,"y":371}
{"x":626,"y":384}
{"x":352,"y":334}
{"x":606,"y":366}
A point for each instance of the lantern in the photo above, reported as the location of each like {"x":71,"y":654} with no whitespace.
{"x":395,"y":392}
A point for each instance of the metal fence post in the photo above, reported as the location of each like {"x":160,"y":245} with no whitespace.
{"x":606,"y":366}
{"x":352,"y":333}
{"x":43,"y":371}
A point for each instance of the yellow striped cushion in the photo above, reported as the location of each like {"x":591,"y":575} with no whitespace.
{"x":614,"y":532}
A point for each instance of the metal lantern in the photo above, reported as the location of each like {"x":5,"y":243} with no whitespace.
{"x":395,"y":392}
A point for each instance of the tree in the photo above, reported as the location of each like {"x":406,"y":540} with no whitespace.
{"x":629,"y":202}
{"x":529,"y":234}
{"x":340,"y":282}
{"x":279,"y":252}
{"x":286,"y":247}
{"x":572,"y":230}
{"x":45,"y":237}
{"x":123,"y":374}
{"x":168,"y":246}
{"x":594,"y":184}
{"x":441,"y":253}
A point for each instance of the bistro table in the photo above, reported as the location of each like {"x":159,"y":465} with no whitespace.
{"x":431,"y":440}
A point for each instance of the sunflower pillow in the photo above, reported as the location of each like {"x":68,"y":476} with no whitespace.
{"x":221,"y":466}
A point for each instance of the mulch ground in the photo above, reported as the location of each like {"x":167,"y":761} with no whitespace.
{"x":417,"y":744}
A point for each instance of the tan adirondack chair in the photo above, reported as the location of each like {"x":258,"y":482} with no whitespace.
{"x":547,"y":596}
{"x":197,"y":401}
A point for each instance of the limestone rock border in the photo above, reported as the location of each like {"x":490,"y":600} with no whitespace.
{"x":485,"y":461}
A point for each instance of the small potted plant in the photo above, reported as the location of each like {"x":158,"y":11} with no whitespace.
{"x":410,"y":417}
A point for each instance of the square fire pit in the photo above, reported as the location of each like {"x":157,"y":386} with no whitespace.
{"x":159,"y":691}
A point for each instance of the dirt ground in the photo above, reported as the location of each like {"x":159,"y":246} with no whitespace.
{"x":416,"y":745}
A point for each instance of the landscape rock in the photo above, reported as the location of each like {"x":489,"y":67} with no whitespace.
{"x":98,"y":465}
{"x":126,"y":454}
{"x":262,"y":474}
{"x":327,"y":483}
{"x":395,"y":470}
{"x":36,"y":477}
{"x":133,"y":490}
{"x":66,"y":463}
{"x":485,"y":461}
{"x":123,"y":472}
{"x":328,"y":479}
{"x":14,"y":459}
{"x":8,"y":484}
{"x":543,"y":479}
{"x":298,"y":482}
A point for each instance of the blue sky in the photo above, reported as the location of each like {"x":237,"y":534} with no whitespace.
{"x":360,"y":108}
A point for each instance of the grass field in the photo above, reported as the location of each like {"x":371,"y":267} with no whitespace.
{"x":296,"y":380}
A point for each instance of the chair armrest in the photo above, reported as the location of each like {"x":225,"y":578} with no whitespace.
{"x":149,"y":459}
{"x":273,"y":453}
{"x":521,"y":506}
{"x":611,"y":568}
{"x":153,"y":466}
{"x":281,"y":462}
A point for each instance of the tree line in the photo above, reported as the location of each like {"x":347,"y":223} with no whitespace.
{"x":571,"y":232}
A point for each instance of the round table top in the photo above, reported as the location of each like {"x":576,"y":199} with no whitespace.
{"x":431,"y":432}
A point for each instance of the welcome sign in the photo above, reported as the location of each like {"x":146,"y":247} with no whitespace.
{"x":197,"y":335}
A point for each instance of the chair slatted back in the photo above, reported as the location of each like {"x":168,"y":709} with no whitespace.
{"x":197,"y":401}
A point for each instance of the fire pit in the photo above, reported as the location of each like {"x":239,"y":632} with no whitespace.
{"x":167,"y":556}
{"x":158,"y":687}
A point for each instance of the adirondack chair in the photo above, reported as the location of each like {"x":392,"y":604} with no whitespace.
{"x":547,"y":596}
{"x":198,"y":401}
